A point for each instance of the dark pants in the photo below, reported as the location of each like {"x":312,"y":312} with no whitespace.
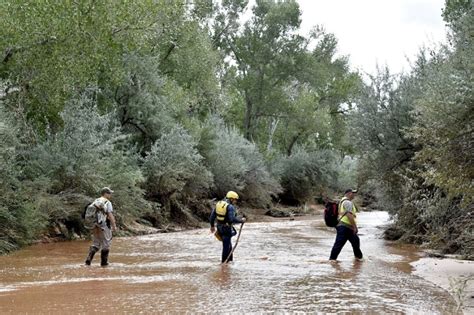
{"x":345,"y":234}
{"x":226,"y":233}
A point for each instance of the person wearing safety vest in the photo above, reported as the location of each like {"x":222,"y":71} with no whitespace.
{"x":347,"y":227}
{"x":225,"y":215}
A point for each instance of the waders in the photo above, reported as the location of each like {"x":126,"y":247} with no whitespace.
{"x":235,"y":246}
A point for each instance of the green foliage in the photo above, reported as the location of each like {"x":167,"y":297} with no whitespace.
{"x":20,"y":220}
{"x":88,"y":154}
{"x":146,"y":103}
{"x":173,"y":164}
{"x":55,"y":50}
{"x":428,"y":215}
{"x":377,"y":129}
{"x":70,"y":158}
{"x":306,"y":174}
{"x":445,"y":120}
{"x":266,"y":53}
{"x":237,"y":165}
{"x":127,"y":94}
{"x":415,"y":134}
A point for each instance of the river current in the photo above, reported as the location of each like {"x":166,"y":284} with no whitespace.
{"x":279,"y":267}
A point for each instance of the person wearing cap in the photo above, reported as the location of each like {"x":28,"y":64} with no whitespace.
{"x":224,"y":214}
{"x":347,"y":227}
{"x":102,"y":234}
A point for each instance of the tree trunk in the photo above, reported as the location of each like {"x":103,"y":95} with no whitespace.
{"x":273,"y":127}
{"x":292,"y":143}
{"x":248,"y":117}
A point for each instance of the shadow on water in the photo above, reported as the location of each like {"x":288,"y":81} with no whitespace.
{"x":279,"y":266}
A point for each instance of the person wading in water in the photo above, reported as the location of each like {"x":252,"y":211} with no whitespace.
{"x":103,"y":228}
{"x":224,"y":213}
{"x":347,"y":227}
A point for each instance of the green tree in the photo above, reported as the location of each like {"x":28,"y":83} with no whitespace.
{"x":266,"y":55}
{"x":54,"y":50}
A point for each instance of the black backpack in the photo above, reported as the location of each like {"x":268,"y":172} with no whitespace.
{"x":331,"y":212}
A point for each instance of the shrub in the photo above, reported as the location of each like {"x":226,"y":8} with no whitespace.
{"x":20,"y":221}
{"x":87,"y":154}
{"x":429,"y":215}
{"x":237,"y":165}
{"x":72,"y":158}
{"x":174,"y":165}
{"x":304,"y":174}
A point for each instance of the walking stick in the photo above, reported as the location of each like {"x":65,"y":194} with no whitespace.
{"x":236,"y":243}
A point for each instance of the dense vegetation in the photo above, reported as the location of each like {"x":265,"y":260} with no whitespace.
{"x":172,"y":103}
{"x":416,"y":132}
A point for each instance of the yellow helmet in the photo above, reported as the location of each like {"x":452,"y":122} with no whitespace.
{"x":232,"y":195}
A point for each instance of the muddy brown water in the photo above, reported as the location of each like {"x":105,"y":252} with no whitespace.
{"x":279,"y":267}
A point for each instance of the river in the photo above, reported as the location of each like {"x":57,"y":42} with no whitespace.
{"x":279,"y":267}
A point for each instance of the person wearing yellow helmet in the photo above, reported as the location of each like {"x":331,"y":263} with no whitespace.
{"x":224,"y":214}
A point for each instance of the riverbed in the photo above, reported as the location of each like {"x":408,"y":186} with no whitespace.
{"x":278,"y":267}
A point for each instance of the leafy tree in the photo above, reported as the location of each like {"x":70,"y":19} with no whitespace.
{"x":55,"y":50}
{"x":444,"y":117}
{"x":266,"y":54}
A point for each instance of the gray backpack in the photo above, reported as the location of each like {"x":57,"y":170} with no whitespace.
{"x":94,"y":215}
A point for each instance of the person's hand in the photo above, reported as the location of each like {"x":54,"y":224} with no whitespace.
{"x":213,"y":229}
{"x":114,"y":228}
{"x":356,"y":230}
{"x":244,"y":220}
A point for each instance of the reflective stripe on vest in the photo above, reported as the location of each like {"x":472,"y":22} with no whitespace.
{"x":221,"y":210}
{"x":345,"y":219}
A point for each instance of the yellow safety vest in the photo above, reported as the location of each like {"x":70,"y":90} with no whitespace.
{"x":345,"y":219}
{"x":221,"y":210}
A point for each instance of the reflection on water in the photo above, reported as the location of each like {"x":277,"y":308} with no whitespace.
{"x":279,"y":266}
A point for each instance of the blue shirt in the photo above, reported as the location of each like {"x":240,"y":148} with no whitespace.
{"x":230,"y":216}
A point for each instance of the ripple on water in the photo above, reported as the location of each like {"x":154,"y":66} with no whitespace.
{"x":279,"y":267}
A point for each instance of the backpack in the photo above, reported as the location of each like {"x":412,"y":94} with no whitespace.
{"x":94,"y":215}
{"x":221,"y":210}
{"x":331,"y":213}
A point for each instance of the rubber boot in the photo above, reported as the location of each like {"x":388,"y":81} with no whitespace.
{"x":92,"y":251}
{"x":104,"y":256}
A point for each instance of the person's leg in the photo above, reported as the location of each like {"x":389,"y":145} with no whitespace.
{"x":104,"y":257}
{"x":355,"y":242}
{"x":106,"y":240}
{"x":94,"y":247}
{"x":341,"y":239}
{"x":90,"y":256}
{"x":226,"y":247}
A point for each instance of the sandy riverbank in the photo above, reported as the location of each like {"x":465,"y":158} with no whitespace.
{"x":441,"y":270}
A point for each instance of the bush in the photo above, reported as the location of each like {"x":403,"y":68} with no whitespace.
{"x":87,"y":154}
{"x":428,"y":215}
{"x":174,"y":165}
{"x":237,"y":165}
{"x":304,"y":174}
{"x":20,"y":221}
{"x":72,"y":158}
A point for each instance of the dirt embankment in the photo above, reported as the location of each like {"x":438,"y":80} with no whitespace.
{"x":66,"y":222}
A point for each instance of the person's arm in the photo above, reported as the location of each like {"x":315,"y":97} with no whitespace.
{"x":110,"y":215}
{"x":232,"y":217}
{"x":212,"y":219}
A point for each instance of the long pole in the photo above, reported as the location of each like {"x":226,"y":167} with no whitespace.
{"x":236,"y":243}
